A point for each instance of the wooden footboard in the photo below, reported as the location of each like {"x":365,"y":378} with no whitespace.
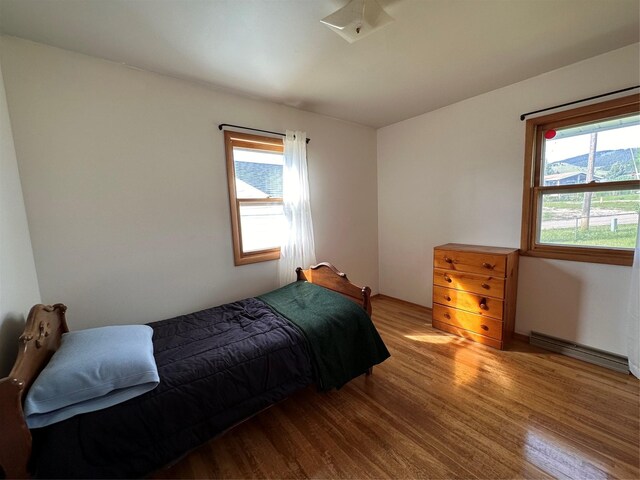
{"x":326,"y":275}
{"x":41,"y":338}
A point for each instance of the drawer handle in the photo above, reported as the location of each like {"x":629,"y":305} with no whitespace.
{"x":488,"y":265}
{"x":484,"y":327}
{"x":446,"y":315}
{"x":485,"y":285}
{"x":447,"y":278}
{"x":447,"y":298}
{"x":448,"y":260}
{"x":483,"y":304}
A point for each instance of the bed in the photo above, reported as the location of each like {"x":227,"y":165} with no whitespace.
{"x":217,"y":367}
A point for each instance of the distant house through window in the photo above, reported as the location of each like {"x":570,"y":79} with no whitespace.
{"x":581,"y":197}
{"x":254,"y":173}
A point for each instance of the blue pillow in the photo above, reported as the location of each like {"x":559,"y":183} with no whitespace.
{"x":93,"y":369}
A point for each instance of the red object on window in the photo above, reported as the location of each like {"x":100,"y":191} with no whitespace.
{"x":549,"y":134}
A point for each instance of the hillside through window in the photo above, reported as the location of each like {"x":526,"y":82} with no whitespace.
{"x":582,"y":183}
{"x":254,"y":170}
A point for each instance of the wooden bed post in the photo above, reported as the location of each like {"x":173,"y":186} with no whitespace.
{"x":15,"y":446}
{"x":38,"y":343}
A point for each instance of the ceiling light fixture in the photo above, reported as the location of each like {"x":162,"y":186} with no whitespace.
{"x":357,"y":19}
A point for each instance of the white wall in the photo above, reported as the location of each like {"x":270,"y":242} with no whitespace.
{"x":455,"y":175}
{"x":124,"y":183}
{"x":18,"y":281}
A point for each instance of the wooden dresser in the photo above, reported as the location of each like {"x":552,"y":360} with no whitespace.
{"x":474,"y":292}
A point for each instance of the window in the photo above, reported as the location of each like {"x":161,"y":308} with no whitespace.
{"x":582,"y":183}
{"x":254,"y":173}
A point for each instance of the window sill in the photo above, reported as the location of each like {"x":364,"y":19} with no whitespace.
{"x":578,"y":254}
{"x":262,"y":256}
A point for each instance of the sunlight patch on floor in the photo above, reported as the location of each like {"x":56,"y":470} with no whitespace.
{"x":466,"y":367}
{"x":429,"y":338}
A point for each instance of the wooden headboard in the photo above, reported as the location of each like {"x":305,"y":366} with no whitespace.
{"x":328,"y":276}
{"x":40,"y":339}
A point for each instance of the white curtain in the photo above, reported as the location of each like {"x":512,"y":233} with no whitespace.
{"x":298,"y":248}
{"x":634,"y":313}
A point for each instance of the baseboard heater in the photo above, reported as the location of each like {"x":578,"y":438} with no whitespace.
{"x":610,"y":360}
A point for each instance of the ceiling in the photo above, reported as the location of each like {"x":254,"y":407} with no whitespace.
{"x":437,"y":52}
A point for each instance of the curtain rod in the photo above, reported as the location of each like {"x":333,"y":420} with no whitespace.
{"x":222,"y":125}
{"x":524,"y":115}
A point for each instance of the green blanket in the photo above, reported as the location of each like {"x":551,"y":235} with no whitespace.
{"x":343,"y":341}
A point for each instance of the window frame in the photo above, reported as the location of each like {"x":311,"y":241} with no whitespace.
{"x":533,"y":191}
{"x":253,"y":142}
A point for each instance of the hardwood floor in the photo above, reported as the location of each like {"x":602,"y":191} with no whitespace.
{"x":440,"y":407}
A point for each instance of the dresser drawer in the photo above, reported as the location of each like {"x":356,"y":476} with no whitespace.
{"x":481,"y":305}
{"x":487,"y":326}
{"x":480,"y":284}
{"x":471,"y":262}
